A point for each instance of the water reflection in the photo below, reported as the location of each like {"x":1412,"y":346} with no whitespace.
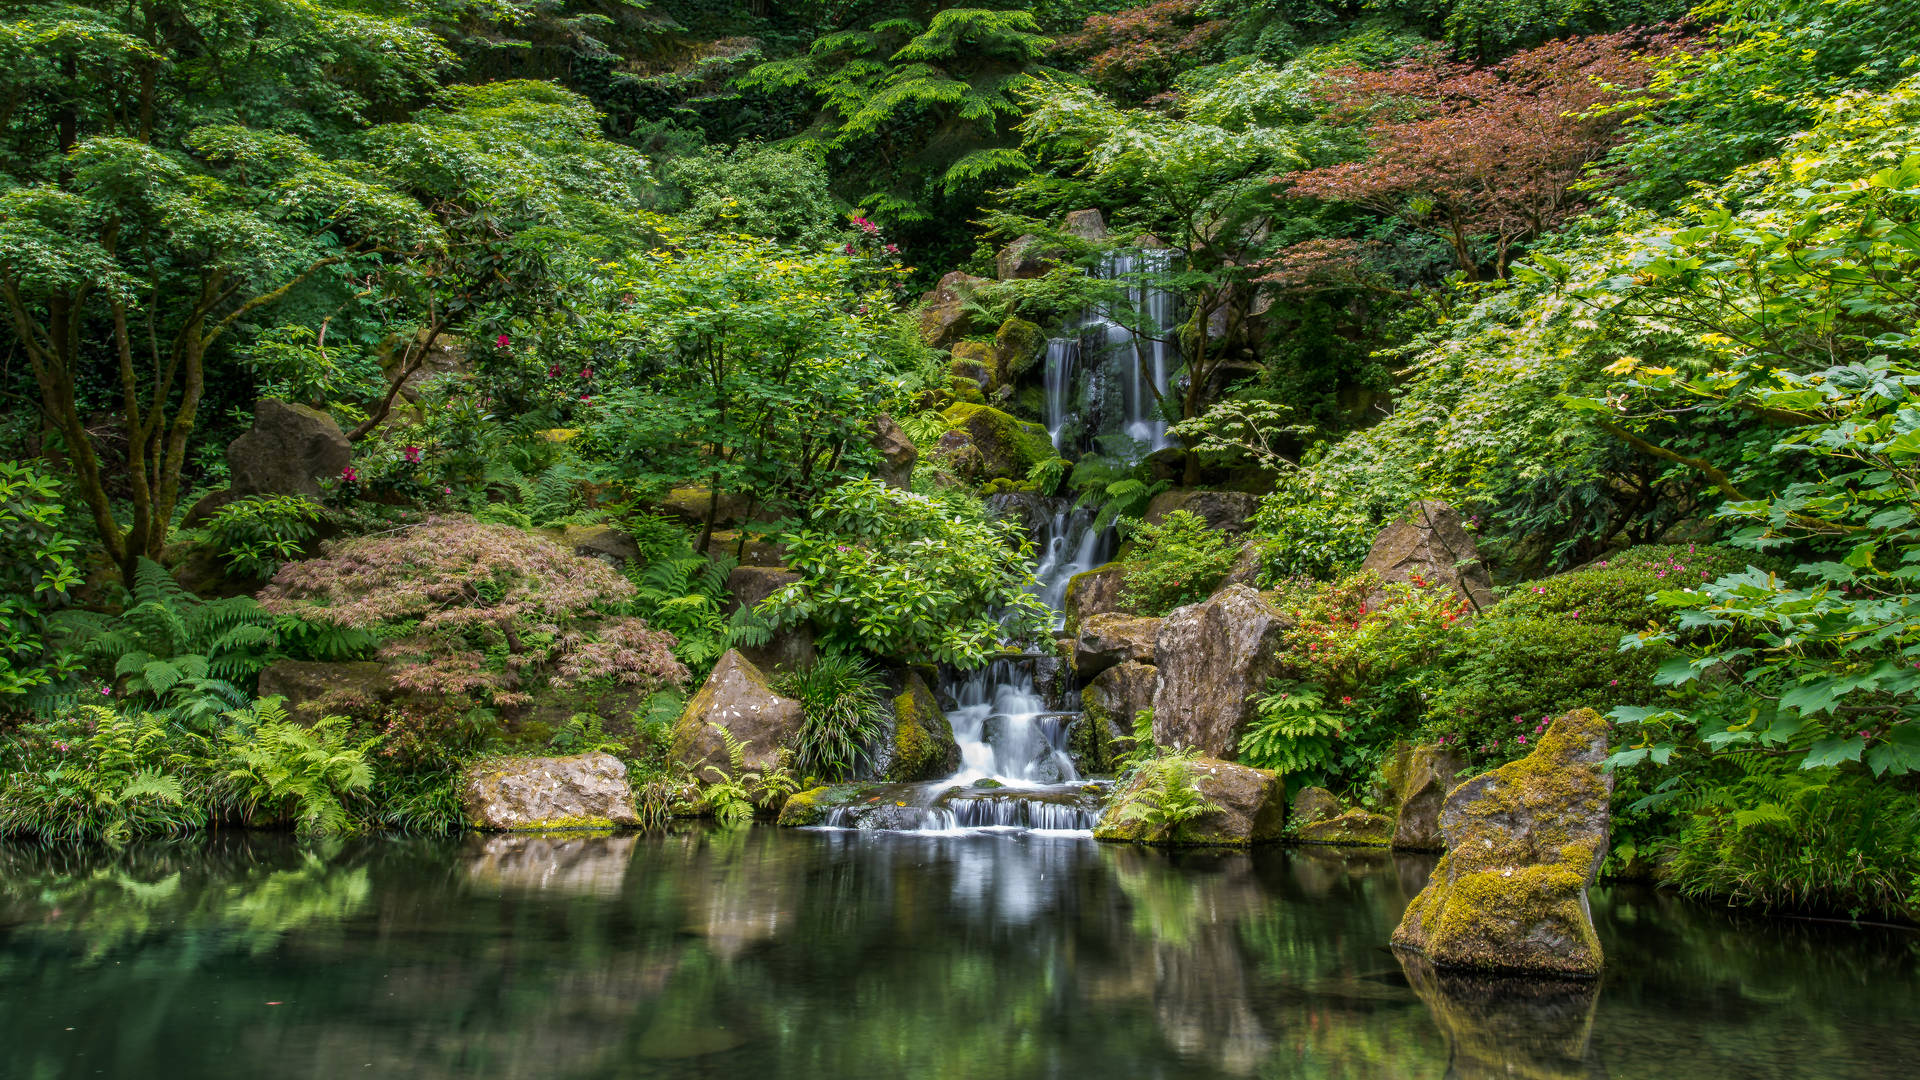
{"x":780,"y":954}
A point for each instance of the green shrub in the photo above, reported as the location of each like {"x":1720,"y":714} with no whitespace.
{"x":1314,"y":533}
{"x":1619,"y":589}
{"x":1174,"y":563}
{"x":275,"y":770}
{"x":1816,"y":840}
{"x":845,"y":715}
{"x":1514,"y":674}
{"x":258,"y":533}
{"x":34,"y":578}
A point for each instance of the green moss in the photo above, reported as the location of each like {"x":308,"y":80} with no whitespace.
{"x":1258,"y":789}
{"x":1355,"y":828}
{"x":1019,"y":345}
{"x":1008,"y":446}
{"x":923,"y":743}
{"x":811,"y":807}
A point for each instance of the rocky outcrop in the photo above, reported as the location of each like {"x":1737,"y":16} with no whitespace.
{"x":1352,"y":828}
{"x":1523,"y":844}
{"x":1110,"y":638}
{"x":1246,"y":566}
{"x":752,"y":584}
{"x":1249,"y":807}
{"x":1223,"y":511}
{"x":943,"y":312}
{"x":1429,"y":543}
{"x":585,"y":791}
{"x":1214,"y":656}
{"x":738,"y":698}
{"x":1419,"y":777}
{"x":897,"y":453}
{"x":1091,"y":592}
{"x":1008,"y":447}
{"x":1109,"y":704}
{"x":690,"y":505}
{"x":760,"y":549}
{"x":920,"y":744}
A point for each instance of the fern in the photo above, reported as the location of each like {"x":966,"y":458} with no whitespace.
{"x":275,"y":768}
{"x":1294,"y":732}
{"x":685,"y":593}
{"x":1165,"y":794}
{"x":734,"y":792}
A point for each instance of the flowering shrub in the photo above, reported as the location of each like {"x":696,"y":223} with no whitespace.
{"x":1619,"y":589}
{"x":475,"y":609}
{"x":1176,"y":562}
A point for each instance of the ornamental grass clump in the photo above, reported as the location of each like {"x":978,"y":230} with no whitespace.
{"x":481,"y":610}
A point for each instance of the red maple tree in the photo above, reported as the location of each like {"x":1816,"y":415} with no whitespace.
{"x":1485,"y":157}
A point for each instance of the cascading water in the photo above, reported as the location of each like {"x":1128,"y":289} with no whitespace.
{"x":1015,"y":768}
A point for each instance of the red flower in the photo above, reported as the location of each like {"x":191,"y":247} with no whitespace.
{"x":1346,"y":701}
{"x":412,"y":454}
{"x":848,"y":249}
{"x":349,"y":476}
{"x":503,"y":341}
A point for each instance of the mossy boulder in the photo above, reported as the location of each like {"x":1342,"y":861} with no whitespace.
{"x":1523,"y":844}
{"x":1251,"y":803}
{"x":1311,"y":804}
{"x":518,"y":794}
{"x":921,"y":745}
{"x":1352,"y":828}
{"x":1008,"y":446}
{"x":815,"y":805}
{"x":1420,"y":777}
{"x":737,"y":697}
{"x":944,"y":314}
{"x":1017,"y":346}
{"x":1223,"y":511}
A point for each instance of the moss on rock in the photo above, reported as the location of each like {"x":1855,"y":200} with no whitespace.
{"x":1354,"y":828}
{"x":1008,"y":446}
{"x":923,"y":744}
{"x":1251,"y":810}
{"x":1523,"y":843}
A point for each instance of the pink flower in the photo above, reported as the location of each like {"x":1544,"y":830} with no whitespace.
{"x":586,"y":373}
{"x":349,"y":475}
{"x":586,"y":397}
{"x":553,"y":372}
{"x":1521,"y":739}
{"x":107,"y":690}
{"x":892,"y":249}
{"x":1613,"y":682}
{"x":412,"y":454}
{"x":848,"y":249}
{"x":503,"y":341}
{"x":446,"y":491}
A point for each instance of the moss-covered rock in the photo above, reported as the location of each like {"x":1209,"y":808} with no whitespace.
{"x":1523,"y":844}
{"x":944,"y":314}
{"x":1110,"y":638}
{"x":921,"y":744}
{"x":815,"y":805}
{"x":1420,"y":777}
{"x":515,"y":794}
{"x":1251,"y":805}
{"x":1091,"y":592}
{"x":1354,"y":828}
{"x":1018,"y":345}
{"x":1109,"y":703}
{"x":1008,"y":446}
{"x":1311,"y":804}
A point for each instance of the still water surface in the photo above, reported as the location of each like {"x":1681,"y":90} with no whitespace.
{"x":765,"y":954}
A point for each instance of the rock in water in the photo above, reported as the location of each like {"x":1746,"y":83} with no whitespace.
{"x":1429,"y":542}
{"x":1523,"y":843}
{"x":289,"y":449}
{"x":921,"y":745}
{"x":1421,"y":777}
{"x":517,"y":794}
{"x":1108,"y":638}
{"x":1252,"y":809}
{"x":1213,"y":657}
{"x":1314,"y":804}
{"x":1353,"y":828}
{"x":736,"y":697}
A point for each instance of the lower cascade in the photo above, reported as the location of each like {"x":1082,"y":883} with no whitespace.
{"x":1010,"y":720}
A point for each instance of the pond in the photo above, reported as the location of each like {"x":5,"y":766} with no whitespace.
{"x":769,"y":953}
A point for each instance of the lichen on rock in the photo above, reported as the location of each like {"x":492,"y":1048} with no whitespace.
{"x":1523,"y":844}
{"x":583,"y":791}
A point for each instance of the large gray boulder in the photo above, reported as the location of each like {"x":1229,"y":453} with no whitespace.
{"x":1214,"y":657}
{"x":290,"y":449}
{"x":1430,"y":544}
{"x":1523,"y":844}
{"x":1111,"y":638}
{"x":1250,"y":807}
{"x":513,"y":794}
{"x":1087,"y":224}
{"x":737,"y":697}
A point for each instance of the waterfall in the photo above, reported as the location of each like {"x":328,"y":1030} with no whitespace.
{"x":1058,"y":376}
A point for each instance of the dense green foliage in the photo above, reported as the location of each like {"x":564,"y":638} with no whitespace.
{"x":1174,"y":562}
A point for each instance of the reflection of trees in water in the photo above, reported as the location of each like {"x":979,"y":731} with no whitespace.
{"x":765,"y":953}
